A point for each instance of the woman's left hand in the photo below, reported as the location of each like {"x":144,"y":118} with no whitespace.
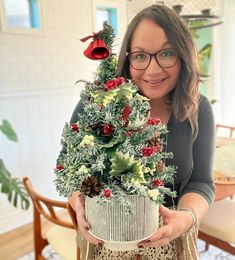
{"x":175,"y":223}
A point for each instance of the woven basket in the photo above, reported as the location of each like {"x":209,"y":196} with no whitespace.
{"x":120,"y":230}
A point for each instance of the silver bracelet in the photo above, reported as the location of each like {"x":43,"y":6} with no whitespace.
{"x":194,"y":216}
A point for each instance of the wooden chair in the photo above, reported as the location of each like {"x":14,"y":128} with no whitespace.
{"x":218,"y":226}
{"x":224,"y":135}
{"x":226,"y":129}
{"x":62,"y":235}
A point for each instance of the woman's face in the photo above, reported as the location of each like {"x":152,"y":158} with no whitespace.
{"x":154,"y":82}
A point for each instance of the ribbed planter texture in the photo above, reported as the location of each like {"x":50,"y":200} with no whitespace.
{"x":120,"y":230}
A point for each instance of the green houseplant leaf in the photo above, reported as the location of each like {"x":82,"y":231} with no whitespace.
{"x":8,"y":131}
{"x":10,"y":186}
{"x":13,"y":188}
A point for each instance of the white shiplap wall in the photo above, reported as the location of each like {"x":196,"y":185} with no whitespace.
{"x":37,"y":92}
{"x":38,"y":119}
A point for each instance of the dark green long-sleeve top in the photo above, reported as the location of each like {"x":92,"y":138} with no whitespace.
{"x":193,"y":158}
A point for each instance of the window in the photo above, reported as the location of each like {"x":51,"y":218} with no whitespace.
{"x":20,"y":15}
{"x":106,"y":14}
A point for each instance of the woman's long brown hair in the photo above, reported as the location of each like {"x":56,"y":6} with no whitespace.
{"x":184,"y":98}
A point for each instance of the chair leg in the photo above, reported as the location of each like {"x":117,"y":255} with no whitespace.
{"x":39,"y":241}
{"x":78,"y":253}
{"x":207,"y":245}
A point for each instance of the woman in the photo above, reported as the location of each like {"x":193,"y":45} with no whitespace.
{"x":158,"y":54}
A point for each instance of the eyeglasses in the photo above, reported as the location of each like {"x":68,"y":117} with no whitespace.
{"x":140,"y":60}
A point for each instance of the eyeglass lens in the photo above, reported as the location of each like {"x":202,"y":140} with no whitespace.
{"x":140,"y":60}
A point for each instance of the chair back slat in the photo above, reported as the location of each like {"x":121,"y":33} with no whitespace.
{"x":51,"y":211}
{"x":49,"y":208}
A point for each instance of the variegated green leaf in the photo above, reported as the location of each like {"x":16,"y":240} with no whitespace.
{"x":104,"y":97}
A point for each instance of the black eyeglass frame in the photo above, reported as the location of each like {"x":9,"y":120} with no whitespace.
{"x":152,"y":55}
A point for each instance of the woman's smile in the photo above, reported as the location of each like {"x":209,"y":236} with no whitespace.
{"x":155,"y":82}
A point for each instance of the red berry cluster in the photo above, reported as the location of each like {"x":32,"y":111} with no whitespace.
{"x":108,"y":130}
{"x":59,"y":167}
{"x":157,"y":183}
{"x":107,"y":193}
{"x":75,"y":127}
{"x":154,"y":121}
{"x":126,"y":112}
{"x":113,"y":83}
{"x":148,"y":151}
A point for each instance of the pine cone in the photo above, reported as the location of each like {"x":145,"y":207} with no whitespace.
{"x":91,"y":187}
{"x":160,"y":166}
{"x":156,"y":141}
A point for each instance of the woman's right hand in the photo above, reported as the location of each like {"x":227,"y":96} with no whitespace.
{"x":78,"y":204}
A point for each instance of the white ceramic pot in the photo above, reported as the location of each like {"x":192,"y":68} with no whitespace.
{"x":120,"y":230}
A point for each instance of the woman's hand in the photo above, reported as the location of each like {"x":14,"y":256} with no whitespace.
{"x":175,"y":223}
{"x":78,"y":204}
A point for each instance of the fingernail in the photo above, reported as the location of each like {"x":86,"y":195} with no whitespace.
{"x":100,"y":244}
{"x":140,"y":246}
{"x":86,"y":228}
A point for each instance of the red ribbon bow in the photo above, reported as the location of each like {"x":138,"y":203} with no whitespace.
{"x":94,"y":36}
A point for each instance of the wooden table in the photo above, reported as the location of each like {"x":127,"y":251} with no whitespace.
{"x":223,"y":191}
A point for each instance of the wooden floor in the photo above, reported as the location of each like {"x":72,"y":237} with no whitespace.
{"x":16,"y":243}
{"x":19,"y":242}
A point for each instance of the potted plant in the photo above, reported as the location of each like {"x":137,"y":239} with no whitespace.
{"x":115,"y":156}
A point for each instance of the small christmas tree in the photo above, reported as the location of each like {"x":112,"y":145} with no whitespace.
{"x":115,"y":148}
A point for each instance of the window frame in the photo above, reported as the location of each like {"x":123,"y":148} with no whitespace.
{"x":112,"y":7}
{"x":5,"y":28}
{"x":112,"y":13}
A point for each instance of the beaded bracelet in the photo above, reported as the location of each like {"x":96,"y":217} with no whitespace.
{"x":194,"y":216}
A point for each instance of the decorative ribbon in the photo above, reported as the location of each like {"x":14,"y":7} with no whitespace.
{"x":94,"y":36}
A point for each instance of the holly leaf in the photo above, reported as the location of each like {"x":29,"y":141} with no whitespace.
{"x":124,"y":163}
{"x":121,"y":163}
{"x":138,"y":175}
{"x":137,"y":123}
{"x":104,"y":97}
{"x":126,"y":92}
{"x":111,"y":143}
{"x":98,"y":96}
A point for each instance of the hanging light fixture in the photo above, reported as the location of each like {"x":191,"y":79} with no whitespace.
{"x":198,"y":13}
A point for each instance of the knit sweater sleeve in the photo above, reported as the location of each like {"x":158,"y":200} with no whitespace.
{"x":201,"y":179}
